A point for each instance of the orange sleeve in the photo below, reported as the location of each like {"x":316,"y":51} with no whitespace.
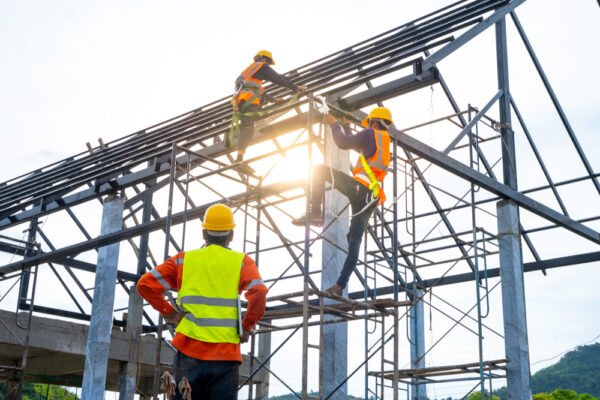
{"x":152,"y":285}
{"x":256,"y":293}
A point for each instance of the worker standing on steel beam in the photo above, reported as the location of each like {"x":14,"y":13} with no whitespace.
{"x":363,"y":189}
{"x":209,"y":281}
{"x":249,"y":96}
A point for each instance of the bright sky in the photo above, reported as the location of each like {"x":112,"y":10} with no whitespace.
{"x":75,"y":71}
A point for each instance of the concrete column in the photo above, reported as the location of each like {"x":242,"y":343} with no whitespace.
{"x":128,"y":371}
{"x":98,"y":343}
{"x":511,"y":265}
{"x":417,"y":343}
{"x":335,"y":336}
{"x":264,"y":351}
{"x":513,"y":302}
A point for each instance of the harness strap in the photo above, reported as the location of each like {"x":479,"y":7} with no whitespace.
{"x":374,"y":183}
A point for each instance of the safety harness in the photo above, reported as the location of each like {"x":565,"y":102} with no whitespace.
{"x":373,"y":182}
{"x":238,"y":112}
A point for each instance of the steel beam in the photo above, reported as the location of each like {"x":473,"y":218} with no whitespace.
{"x":518,"y":376}
{"x":98,"y":343}
{"x":450,"y":48}
{"x":134,"y":231}
{"x":491,"y":185}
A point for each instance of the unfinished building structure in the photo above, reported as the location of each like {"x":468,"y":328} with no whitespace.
{"x":473,"y":224}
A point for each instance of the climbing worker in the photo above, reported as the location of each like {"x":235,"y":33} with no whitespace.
{"x":209,"y":281}
{"x":249,"y":96}
{"x":363,"y":189}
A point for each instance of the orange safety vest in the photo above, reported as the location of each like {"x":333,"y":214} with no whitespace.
{"x":378,"y":163}
{"x":247,"y":87}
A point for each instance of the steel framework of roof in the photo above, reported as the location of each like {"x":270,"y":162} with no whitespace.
{"x":187,"y":154}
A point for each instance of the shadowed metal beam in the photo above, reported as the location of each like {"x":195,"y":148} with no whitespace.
{"x":144,"y":228}
{"x":440,"y":159}
{"x":448,"y":49}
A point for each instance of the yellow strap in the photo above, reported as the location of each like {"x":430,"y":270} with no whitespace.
{"x":374,"y":185}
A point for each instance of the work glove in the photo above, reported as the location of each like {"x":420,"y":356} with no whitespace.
{"x":245,"y":336}
{"x":330,"y":119}
{"x":174,"y":317}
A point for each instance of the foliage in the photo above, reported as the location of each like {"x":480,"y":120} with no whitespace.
{"x":40,"y":391}
{"x":578,"y":370}
{"x":563,"y":394}
{"x":477,"y":396}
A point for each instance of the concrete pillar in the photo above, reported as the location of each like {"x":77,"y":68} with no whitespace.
{"x":513,"y":302}
{"x":264,"y":351}
{"x":516,"y":345}
{"x":335,"y":336}
{"x":128,"y":371}
{"x":98,"y":343}
{"x":417,"y":343}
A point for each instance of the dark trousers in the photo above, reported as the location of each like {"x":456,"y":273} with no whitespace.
{"x":210,"y":380}
{"x":246,"y":125}
{"x":359,"y":196}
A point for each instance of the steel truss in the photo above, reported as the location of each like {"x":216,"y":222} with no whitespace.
{"x":409,"y":249}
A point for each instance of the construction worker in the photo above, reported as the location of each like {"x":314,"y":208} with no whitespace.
{"x":250,"y":95}
{"x":209,"y":281}
{"x":363,"y":189}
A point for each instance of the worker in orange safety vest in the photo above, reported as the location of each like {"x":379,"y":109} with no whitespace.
{"x":208,"y":323}
{"x":363,"y":189}
{"x":250,"y":95}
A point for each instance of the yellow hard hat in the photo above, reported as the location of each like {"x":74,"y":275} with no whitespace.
{"x":379,"y":113}
{"x":265,"y":53}
{"x":218,"y":218}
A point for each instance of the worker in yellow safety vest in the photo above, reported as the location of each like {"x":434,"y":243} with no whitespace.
{"x":363,"y":189}
{"x":208,"y":323}
{"x":248,"y":98}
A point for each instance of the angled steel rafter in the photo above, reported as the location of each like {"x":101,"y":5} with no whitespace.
{"x":210,"y":120}
{"x":459,"y":169}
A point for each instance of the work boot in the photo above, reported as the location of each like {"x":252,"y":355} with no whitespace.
{"x":316,"y":219}
{"x":335,"y":290}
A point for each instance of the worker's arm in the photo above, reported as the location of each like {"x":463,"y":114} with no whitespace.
{"x":152,"y":284}
{"x":256,"y":293}
{"x":344,"y":139}
{"x":267,"y":73}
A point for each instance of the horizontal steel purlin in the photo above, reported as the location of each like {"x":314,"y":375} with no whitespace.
{"x":491,"y":273}
{"x":147,"y":227}
{"x":457,"y":168}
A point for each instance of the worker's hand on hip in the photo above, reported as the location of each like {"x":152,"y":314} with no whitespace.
{"x":174,"y":317}
{"x":302,"y":89}
{"x":245,"y":336}
{"x":330,"y":119}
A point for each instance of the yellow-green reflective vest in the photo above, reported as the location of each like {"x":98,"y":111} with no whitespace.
{"x":209,"y":292}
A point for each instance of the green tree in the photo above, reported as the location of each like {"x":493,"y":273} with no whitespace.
{"x":477,"y":396}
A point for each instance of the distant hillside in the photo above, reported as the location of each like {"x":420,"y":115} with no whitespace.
{"x":578,"y":370}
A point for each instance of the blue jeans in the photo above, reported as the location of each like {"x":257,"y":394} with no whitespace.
{"x":211,"y":380}
{"x":359,"y":196}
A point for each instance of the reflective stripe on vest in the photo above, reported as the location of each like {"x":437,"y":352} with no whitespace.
{"x":209,"y":292}
{"x":249,"y":88}
{"x":378,"y":164}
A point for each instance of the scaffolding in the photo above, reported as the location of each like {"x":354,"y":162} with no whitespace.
{"x":182,"y":166}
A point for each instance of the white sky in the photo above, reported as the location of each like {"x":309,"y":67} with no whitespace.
{"x":74,"y":71}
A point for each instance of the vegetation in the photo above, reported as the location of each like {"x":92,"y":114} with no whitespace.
{"x":578,"y":370}
{"x":42,"y":391}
